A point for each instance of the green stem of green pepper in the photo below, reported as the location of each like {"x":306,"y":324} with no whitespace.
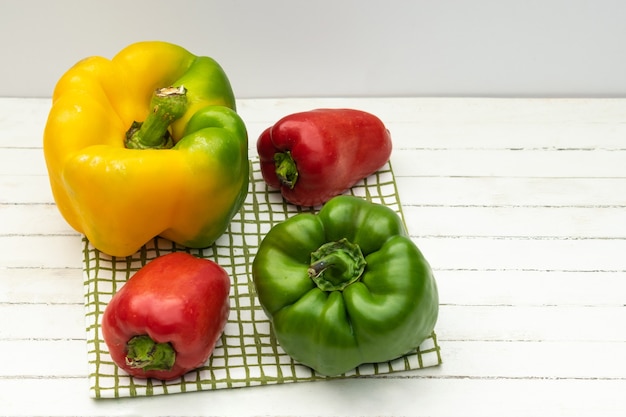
{"x":168,"y":104}
{"x":286,"y":169}
{"x":145,"y":353}
{"x":335,"y":265}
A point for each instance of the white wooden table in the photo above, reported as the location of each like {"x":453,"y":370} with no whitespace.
{"x":519,"y":205}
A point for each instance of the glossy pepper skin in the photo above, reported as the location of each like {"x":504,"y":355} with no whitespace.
{"x":315,"y":155}
{"x":168,"y":317}
{"x":180,"y":172}
{"x":346,"y":286}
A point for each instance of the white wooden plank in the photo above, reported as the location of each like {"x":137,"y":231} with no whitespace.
{"x":270,"y":111}
{"x":33,"y":219}
{"x":545,"y":359}
{"x":506,"y":163}
{"x":470,"y":397}
{"x":53,"y":251}
{"x":565,"y":222}
{"x":445,"y":111}
{"x":498,"y":134}
{"x":531,"y":288}
{"x":489,"y":191}
{"x":41,"y":286}
{"x":25,"y":189}
{"x":498,"y":254}
{"x":42,"y":321}
{"x":531,"y":323}
{"x":44,"y":358}
{"x":22,"y":161}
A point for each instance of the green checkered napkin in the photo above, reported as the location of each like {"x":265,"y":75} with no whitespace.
{"x":247,"y":354}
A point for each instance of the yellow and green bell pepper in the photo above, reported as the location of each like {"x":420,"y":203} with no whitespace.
{"x":146,"y":144}
{"x":345,"y":286}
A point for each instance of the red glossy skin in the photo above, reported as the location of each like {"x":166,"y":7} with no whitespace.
{"x":333,"y":150}
{"x":175,"y":298}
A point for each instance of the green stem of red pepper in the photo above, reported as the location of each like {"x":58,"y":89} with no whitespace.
{"x":168,"y":104}
{"x":335,"y":265}
{"x":145,"y":353}
{"x":286,"y":169}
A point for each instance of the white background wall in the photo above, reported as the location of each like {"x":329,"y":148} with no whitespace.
{"x":292,"y":48}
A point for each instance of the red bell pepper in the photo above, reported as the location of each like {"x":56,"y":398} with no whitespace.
{"x":167,"y":318}
{"x":315,"y":155}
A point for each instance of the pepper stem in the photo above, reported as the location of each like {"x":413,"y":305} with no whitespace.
{"x":146,"y":354}
{"x":168,"y":104}
{"x":286,"y":169}
{"x":335,"y":265}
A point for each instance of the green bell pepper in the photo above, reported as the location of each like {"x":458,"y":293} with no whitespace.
{"x":345,"y":286}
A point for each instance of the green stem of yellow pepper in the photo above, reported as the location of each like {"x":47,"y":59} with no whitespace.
{"x":168,"y":104}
